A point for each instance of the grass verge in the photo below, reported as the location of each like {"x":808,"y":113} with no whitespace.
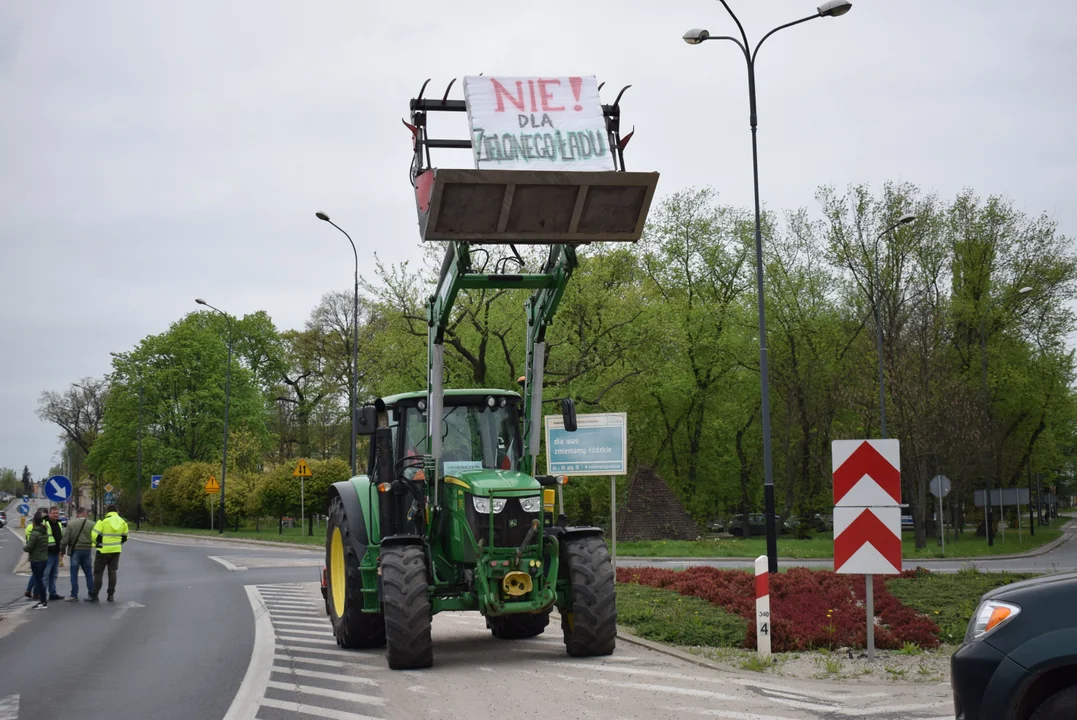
{"x":269,"y":534}
{"x":668,"y":617}
{"x":949,"y":599}
{"x":822,"y":546}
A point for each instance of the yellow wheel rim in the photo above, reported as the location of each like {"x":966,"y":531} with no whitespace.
{"x":337,"y":580}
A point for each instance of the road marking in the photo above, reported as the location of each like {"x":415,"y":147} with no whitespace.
{"x":125,"y":607}
{"x":295,"y":623}
{"x":318,"y":675}
{"x":314,"y":710}
{"x":648,"y":687}
{"x":326,"y":692}
{"x":245,"y":704}
{"x":319,"y":651}
{"x":729,"y":714}
{"x":301,"y":631}
{"x":227,"y":565}
{"x":9,"y":707}
{"x":297,"y":615}
{"x":293,"y":638}
{"x":860,"y":712}
{"x":282,"y":604}
{"x":313,"y":661}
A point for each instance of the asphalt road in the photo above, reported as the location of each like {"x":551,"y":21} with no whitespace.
{"x":174,"y":644}
{"x":209,"y":629}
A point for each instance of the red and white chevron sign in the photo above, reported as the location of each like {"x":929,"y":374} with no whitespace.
{"x":867,"y":506}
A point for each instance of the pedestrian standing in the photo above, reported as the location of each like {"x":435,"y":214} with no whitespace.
{"x":109,"y":535}
{"x":78,"y":542}
{"x":37,"y":548}
{"x":56,"y":535}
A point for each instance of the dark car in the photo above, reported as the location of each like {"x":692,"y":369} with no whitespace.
{"x":1019,"y":658}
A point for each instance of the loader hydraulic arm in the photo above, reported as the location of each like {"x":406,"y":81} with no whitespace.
{"x":457,"y":273}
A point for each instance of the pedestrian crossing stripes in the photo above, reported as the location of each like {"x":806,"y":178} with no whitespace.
{"x":308,"y":675}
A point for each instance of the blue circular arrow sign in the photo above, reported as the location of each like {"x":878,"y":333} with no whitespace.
{"x":24,"y":509}
{"x":58,"y":489}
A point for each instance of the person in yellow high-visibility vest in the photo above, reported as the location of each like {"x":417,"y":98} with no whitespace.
{"x":108,"y":536}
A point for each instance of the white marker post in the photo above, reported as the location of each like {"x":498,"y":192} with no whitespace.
{"x":869,"y":605}
{"x":762,"y":606}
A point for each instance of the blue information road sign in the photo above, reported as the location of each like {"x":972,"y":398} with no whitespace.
{"x":58,"y":488}
{"x":110,"y":498}
{"x":155,"y":480}
{"x":24,"y":509}
{"x":598,"y":446}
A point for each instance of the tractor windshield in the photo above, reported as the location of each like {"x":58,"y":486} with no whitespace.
{"x":472,"y":437}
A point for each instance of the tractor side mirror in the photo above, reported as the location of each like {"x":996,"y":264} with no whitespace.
{"x":366,"y":420}
{"x":568,"y":414}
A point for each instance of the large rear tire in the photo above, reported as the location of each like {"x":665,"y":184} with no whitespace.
{"x":518,"y":627}
{"x":407,"y":607}
{"x":352,"y":627}
{"x":590,"y":625}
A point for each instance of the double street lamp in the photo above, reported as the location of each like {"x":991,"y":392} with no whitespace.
{"x":987,"y":409}
{"x":227,"y":396}
{"x":832,"y":8}
{"x":355,"y":340}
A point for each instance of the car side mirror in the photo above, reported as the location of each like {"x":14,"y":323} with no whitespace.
{"x":568,"y":414}
{"x":366,"y":420}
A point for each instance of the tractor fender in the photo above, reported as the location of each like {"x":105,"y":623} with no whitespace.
{"x":392,"y":540}
{"x":572,"y":533}
{"x":349,"y":496}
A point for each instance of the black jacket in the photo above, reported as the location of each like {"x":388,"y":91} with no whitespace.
{"x":57,"y":533}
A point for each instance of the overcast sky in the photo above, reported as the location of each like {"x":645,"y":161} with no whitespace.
{"x":153,"y":152}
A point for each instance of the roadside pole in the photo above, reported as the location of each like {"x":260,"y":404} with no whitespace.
{"x":613,"y":519}
{"x":942,"y":526}
{"x":762,"y":607}
{"x":869,"y":605}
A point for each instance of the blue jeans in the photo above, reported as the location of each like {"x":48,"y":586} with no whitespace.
{"x":52,"y":569}
{"x":81,"y":559}
{"x":37,"y":572}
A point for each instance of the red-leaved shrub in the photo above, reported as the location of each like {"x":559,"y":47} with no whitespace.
{"x":809,"y":608}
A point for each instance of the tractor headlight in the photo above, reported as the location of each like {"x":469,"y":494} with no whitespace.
{"x":531,"y":504}
{"x":482,"y":505}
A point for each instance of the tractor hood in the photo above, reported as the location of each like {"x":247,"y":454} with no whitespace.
{"x":484,"y":481}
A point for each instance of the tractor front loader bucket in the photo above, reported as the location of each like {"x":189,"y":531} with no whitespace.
{"x":533,"y":206}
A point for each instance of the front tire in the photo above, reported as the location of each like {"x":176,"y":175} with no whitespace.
{"x":590,"y":625}
{"x":352,"y":627}
{"x":518,"y":627}
{"x":1063,"y":704}
{"x":407,"y":607}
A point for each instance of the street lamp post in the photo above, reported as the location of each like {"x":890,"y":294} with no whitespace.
{"x":832,"y":8}
{"x":355,"y":341}
{"x":987,"y":411}
{"x":227,"y":397}
{"x":904,"y":220}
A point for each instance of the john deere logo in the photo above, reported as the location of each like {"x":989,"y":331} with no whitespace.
{"x":512,"y":522}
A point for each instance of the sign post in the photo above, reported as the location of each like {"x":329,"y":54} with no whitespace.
{"x":598,"y":446}
{"x":212,"y":489}
{"x":867,"y":515}
{"x":940,"y":488}
{"x":302,"y":471}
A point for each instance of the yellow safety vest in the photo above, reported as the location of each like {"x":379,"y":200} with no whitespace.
{"x":48,"y":531}
{"x":111,"y":530}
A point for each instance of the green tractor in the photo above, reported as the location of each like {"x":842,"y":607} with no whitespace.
{"x":451,"y":515}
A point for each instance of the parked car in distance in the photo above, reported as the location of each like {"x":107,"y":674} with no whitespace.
{"x":757,"y":524}
{"x":715,"y":525}
{"x":3,"y":518}
{"x":1019,"y":657}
